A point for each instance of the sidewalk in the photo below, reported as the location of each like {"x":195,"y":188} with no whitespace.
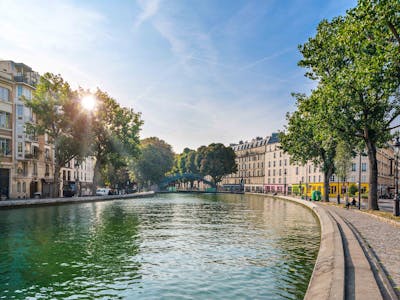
{"x":383,"y":238}
{"x":384,"y":204}
{"x":55,"y":201}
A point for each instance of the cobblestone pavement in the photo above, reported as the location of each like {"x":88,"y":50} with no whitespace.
{"x":384,"y":239}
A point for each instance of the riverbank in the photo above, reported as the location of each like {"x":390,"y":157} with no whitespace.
{"x":6,"y":204}
{"x":358,"y":257}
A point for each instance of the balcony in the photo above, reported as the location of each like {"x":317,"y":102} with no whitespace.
{"x":29,"y":78}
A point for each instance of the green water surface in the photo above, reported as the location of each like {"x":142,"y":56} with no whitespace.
{"x":175,"y":246}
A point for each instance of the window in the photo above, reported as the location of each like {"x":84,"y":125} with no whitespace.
{"x":47,"y":172}
{"x":269,"y":172}
{"x":19,"y":187}
{"x":24,"y":187}
{"x":19,"y":91}
{"x":5,"y":120}
{"x":5,"y":146}
{"x":20,"y":111}
{"x":273,"y":172}
{"x":4,"y":94}
{"x":297,"y":170}
{"x":353,"y":167}
{"x":35,"y":170}
{"x":364,"y":167}
{"x":19,"y":147}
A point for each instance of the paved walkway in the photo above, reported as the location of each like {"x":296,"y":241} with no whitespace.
{"x":383,"y":238}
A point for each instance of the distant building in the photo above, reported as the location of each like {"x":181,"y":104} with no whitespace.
{"x":281,"y":176}
{"x":250,"y":159}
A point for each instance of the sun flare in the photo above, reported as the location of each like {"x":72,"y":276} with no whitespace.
{"x":88,"y":102}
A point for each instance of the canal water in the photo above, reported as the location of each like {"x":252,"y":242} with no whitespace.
{"x":173,"y":246}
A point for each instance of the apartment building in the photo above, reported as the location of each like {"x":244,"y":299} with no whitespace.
{"x":250,"y":159}
{"x":27,"y":160}
{"x":6,"y":132}
{"x":280,"y":175}
{"x":77,"y":176}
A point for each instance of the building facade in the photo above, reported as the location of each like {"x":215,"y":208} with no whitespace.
{"x":77,"y":176}
{"x":250,"y":159}
{"x":280,"y":175}
{"x":7,"y":172}
{"x":27,"y":160}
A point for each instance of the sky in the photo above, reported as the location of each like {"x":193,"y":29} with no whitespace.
{"x":199,"y":71}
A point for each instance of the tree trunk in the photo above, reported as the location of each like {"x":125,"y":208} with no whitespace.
{"x":56,"y":189}
{"x":96,"y":176}
{"x":327,"y":175}
{"x":373,"y":176}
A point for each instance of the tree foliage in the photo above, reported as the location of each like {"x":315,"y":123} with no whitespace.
{"x":216,"y":160}
{"x":58,"y":114}
{"x":307,"y":137}
{"x":155,"y":160}
{"x":343,"y":160}
{"x":356,"y":61}
{"x":115,"y":137}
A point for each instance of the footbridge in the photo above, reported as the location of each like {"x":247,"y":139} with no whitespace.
{"x":184,"y":177}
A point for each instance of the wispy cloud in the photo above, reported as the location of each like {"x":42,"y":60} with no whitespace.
{"x":149,"y":9}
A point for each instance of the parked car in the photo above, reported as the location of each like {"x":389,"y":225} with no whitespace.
{"x":103,"y":192}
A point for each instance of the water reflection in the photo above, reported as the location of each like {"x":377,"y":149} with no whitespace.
{"x":202,"y":246}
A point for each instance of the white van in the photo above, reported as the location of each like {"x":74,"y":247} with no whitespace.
{"x":103,"y":192}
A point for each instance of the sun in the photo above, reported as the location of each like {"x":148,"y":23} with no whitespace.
{"x":88,"y":102}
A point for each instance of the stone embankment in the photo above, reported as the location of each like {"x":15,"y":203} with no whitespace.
{"x":55,"y":201}
{"x":346,"y":266}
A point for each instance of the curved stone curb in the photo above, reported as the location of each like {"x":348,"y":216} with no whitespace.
{"x":56,"y":201}
{"x":328,"y":278}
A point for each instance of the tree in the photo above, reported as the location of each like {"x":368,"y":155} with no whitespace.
{"x":217,"y":161}
{"x":307,"y":136}
{"x":59,"y":115}
{"x":155,"y":161}
{"x":343,"y":160}
{"x":114,"y":135}
{"x":356,"y":61}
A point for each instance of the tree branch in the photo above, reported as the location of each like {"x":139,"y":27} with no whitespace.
{"x":394,"y":31}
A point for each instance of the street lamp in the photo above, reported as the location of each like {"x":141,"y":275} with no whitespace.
{"x":396,"y":199}
{"x":301,"y":191}
{"x":359,"y":181}
{"x":77,"y":183}
{"x":284,"y":182}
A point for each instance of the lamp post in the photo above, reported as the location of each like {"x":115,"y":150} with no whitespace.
{"x":301,"y":192}
{"x":306,"y":182}
{"x":284,"y":182}
{"x":77,"y":184}
{"x":359,"y":181}
{"x":396,"y":210}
